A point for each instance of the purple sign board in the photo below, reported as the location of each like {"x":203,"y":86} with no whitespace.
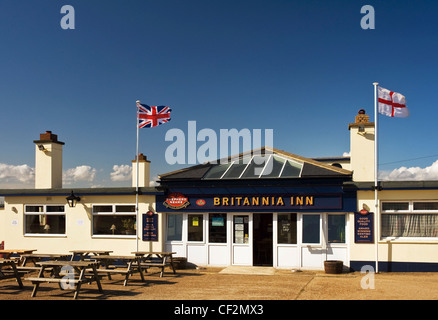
{"x":363,"y":227}
{"x":150,"y":227}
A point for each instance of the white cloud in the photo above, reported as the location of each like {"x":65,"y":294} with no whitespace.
{"x":412,"y":173}
{"x":121,"y":173}
{"x":153,"y":182}
{"x":16,"y":173}
{"x":346,"y":154}
{"x":80,"y":173}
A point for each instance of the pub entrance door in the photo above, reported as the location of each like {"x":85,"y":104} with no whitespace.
{"x":262,"y":239}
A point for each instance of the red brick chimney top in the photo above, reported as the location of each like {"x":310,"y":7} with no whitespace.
{"x":48,"y":136}
{"x":141,"y":158}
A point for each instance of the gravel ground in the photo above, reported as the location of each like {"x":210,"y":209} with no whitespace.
{"x":210,"y":284}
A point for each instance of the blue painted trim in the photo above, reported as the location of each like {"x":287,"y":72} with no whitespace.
{"x":82,"y":194}
{"x":396,"y":266}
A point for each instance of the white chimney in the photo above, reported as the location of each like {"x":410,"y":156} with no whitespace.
{"x":48,"y":161}
{"x":362,"y":147}
{"x":143,"y":171}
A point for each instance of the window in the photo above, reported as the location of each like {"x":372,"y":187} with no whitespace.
{"x":217,"y":228}
{"x":311,"y":228}
{"x":291,"y":170}
{"x":287,"y":228}
{"x":426,"y":206}
{"x":217,"y":171}
{"x":114,"y":220}
{"x":195,"y":228}
{"x":410,"y":225}
{"x":44,"y":219}
{"x":236,"y":170}
{"x":240,"y":229}
{"x":395,"y":206}
{"x":174,"y":227}
{"x":336,"y":228}
{"x":256,"y":167}
{"x":417,"y":219}
{"x":273,"y":167}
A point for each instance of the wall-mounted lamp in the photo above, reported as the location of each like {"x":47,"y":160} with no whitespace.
{"x":41,"y":147}
{"x":72,"y":199}
{"x":361,"y":128}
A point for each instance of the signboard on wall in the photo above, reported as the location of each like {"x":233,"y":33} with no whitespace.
{"x":150,"y":226}
{"x":364,"y":227}
{"x":230,"y":203}
{"x":176,"y":201}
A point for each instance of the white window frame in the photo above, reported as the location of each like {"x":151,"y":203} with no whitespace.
{"x":321,"y":233}
{"x":207,"y":232}
{"x":345,"y":228}
{"x":112,"y":213}
{"x":204,"y":231}
{"x":44,"y":212}
{"x":410,"y":207}
{"x":409,"y":211}
{"x":167,"y":227}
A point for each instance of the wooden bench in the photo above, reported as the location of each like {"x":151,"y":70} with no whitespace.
{"x":118,"y":270}
{"x":82,"y":254}
{"x":8,"y":253}
{"x":33,"y":258}
{"x":150,"y":264}
{"x":130,"y":266}
{"x":9,"y":273}
{"x":29,"y":269}
{"x":162,"y":260}
{"x":56,"y":280}
{"x":71,"y":280}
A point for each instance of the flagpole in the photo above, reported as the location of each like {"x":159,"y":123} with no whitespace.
{"x":136,"y":189}
{"x":376,"y":201}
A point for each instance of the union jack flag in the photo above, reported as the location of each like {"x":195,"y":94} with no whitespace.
{"x":152,"y":116}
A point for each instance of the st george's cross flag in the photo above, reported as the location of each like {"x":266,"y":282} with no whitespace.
{"x":392,"y":104}
{"x":152,"y":116}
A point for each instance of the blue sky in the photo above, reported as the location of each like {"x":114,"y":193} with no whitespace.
{"x":301,"y":68}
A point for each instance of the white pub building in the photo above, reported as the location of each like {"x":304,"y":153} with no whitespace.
{"x":286,"y":211}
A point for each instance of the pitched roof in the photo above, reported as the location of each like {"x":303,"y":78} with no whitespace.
{"x":309,"y":167}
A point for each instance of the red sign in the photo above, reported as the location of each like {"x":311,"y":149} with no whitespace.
{"x":176,"y":201}
{"x":200,"y":202}
{"x":363,"y":212}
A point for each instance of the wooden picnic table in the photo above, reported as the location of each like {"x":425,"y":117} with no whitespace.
{"x":36,"y":257}
{"x":6,"y":273}
{"x":69,"y":279}
{"x":162,"y":260}
{"x":84,"y":253}
{"x":129,"y":266}
{"x":9,"y":252}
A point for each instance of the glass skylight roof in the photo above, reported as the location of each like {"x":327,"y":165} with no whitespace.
{"x":256,"y":167}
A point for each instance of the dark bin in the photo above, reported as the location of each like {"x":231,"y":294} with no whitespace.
{"x":179,"y":262}
{"x":333,"y":266}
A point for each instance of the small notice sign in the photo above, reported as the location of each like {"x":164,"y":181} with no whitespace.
{"x":364,"y":227}
{"x":150,"y":227}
